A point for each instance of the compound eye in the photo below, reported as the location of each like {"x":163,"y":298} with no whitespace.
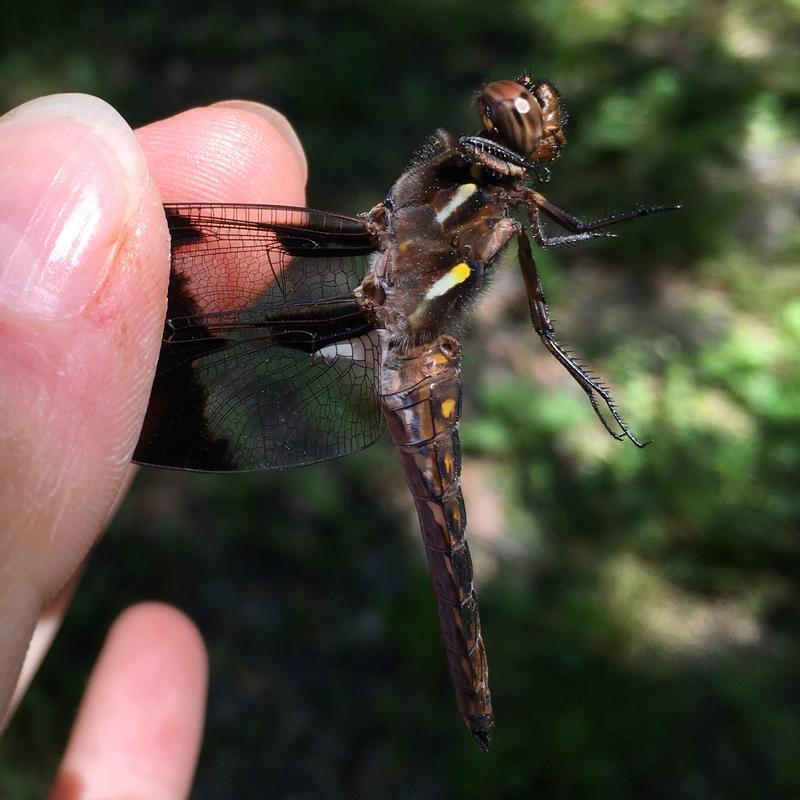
{"x":547,"y":98}
{"x":509,"y":109}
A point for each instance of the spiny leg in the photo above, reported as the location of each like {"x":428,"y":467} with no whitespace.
{"x":575,"y":225}
{"x":540,"y":316}
{"x":544,"y":240}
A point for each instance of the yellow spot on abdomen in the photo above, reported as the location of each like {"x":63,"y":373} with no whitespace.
{"x":452,"y":278}
{"x":448,"y":406}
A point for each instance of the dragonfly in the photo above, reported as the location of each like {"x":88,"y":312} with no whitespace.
{"x":295,"y":335}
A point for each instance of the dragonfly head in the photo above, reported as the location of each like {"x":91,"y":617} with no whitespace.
{"x":525,"y":116}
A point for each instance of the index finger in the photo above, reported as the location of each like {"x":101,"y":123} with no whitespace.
{"x":232,"y":153}
{"x":235,"y":152}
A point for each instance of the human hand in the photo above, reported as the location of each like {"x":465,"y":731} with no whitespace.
{"x":84,"y":263}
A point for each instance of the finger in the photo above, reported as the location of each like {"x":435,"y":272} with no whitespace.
{"x":49,"y":622}
{"x":83,"y":271}
{"x":47,"y":626}
{"x":234,"y":152}
{"x":278,"y":121}
{"x":138,"y":729}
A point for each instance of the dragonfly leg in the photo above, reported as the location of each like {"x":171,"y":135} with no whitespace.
{"x":575,"y":225}
{"x":544,"y":240}
{"x":595,"y":389}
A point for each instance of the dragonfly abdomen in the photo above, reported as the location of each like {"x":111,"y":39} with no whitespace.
{"x":422,"y":410}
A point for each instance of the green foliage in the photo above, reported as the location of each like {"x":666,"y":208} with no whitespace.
{"x":639,"y":606}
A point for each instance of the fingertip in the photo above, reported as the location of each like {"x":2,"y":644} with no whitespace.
{"x":144,"y":627}
{"x":72,"y":174}
{"x":139,"y":726}
{"x":224,"y":154}
{"x":278,"y":121}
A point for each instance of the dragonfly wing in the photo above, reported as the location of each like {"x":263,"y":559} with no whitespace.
{"x":267,"y":361}
{"x":230,"y":257}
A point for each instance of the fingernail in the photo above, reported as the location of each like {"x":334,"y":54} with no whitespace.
{"x":277,"y":120}
{"x":71,"y":170}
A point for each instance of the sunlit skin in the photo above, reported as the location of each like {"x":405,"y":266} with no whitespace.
{"x":67,"y":445}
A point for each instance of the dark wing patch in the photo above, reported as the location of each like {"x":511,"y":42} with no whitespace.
{"x":232,"y":255}
{"x":266,"y":361}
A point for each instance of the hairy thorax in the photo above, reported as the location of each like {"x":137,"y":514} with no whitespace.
{"x":445,"y":229}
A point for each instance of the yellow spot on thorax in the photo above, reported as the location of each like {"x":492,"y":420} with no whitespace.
{"x":448,"y":406}
{"x":452,"y":278}
{"x":460,"y":271}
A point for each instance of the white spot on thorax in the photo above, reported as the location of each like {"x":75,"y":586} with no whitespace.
{"x":461,"y":195}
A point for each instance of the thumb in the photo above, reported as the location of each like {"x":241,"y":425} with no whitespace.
{"x":84,"y":257}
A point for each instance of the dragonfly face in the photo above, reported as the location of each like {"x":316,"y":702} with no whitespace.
{"x":524,"y":116}
{"x":294,"y":336}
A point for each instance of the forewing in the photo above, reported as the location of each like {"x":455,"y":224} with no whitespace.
{"x":230,"y":256}
{"x":266,"y":361}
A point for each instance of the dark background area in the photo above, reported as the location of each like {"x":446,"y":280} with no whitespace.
{"x":640,"y":607}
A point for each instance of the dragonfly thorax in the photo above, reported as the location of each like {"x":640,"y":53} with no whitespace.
{"x":444,"y":241}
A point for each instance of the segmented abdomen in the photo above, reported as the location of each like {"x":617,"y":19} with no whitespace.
{"x":421,"y":405}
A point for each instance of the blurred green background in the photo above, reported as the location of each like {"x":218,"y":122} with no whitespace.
{"x":640,"y":608}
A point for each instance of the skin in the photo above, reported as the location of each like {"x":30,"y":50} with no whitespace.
{"x":84,"y":263}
